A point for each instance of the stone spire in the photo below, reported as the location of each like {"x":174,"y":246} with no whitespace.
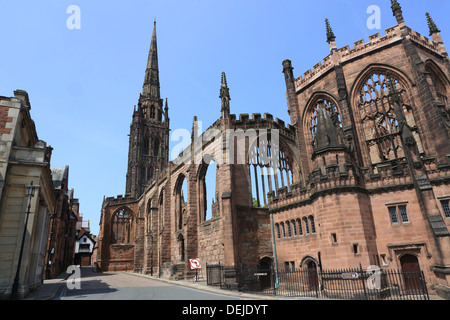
{"x":166,"y":110}
{"x":330,"y":34}
{"x":397,"y":11}
{"x":331,"y":38}
{"x":225,"y":94}
{"x":431,"y":25}
{"x":151,"y":87}
{"x":395,"y":6}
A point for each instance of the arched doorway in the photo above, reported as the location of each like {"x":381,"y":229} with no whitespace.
{"x":411,"y":272}
{"x":181,"y":247}
{"x":310,"y":266}
{"x":265,"y":266}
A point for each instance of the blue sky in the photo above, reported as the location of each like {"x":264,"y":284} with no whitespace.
{"x":83,"y":84}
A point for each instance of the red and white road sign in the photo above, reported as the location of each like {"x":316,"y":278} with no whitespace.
{"x":195,"y":264}
{"x":350,"y":275}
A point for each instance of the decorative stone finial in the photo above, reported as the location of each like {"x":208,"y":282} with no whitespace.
{"x":431,"y":25}
{"x":395,"y":7}
{"x":225,"y":93}
{"x":330,"y":34}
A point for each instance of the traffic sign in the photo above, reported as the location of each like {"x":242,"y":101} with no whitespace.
{"x":350,"y":275}
{"x":195,"y":263}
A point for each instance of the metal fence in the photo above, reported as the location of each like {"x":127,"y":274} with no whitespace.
{"x":350,"y":284}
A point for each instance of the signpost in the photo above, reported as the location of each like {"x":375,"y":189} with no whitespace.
{"x":195,"y":265}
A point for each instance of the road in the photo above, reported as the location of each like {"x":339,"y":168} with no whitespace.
{"x":125,"y":286}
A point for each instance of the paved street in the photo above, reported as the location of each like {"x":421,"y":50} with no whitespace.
{"x":125,"y":286}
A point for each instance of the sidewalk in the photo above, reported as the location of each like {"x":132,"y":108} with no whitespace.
{"x":49,"y":289}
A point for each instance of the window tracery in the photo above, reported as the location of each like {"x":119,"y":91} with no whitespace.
{"x":121,"y":227}
{"x":333,"y":111}
{"x":379,"y":121}
{"x":271,"y":168}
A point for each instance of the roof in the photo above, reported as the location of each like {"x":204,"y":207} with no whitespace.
{"x":58,"y":176}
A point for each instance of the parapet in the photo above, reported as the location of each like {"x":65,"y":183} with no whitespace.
{"x":257,"y":121}
{"x":360,"y":47}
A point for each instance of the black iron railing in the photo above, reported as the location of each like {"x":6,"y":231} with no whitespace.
{"x":350,"y":284}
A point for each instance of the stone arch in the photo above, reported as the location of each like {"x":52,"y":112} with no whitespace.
{"x":311,"y":265}
{"x":206,"y":176}
{"x":148,"y":216}
{"x":180,"y":200}
{"x":441,"y":88}
{"x":181,"y":247}
{"x":272,"y":166}
{"x":374,"y":114}
{"x":122,"y":221}
{"x":161,"y":209}
{"x":307,"y":259}
{"x":310,"y":119}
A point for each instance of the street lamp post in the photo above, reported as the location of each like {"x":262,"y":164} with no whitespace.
{"x":151,"y":254}
{"x":29,"y":194}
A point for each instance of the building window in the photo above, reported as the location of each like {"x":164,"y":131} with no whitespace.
{"x":300,"y":228}
{"x":283,"y":230}
{"x":334,"y":238}
{"x":393,"y":214}
{"x":305,"y":222}
{"x":403,"y":213}
{"x":398,"y":211}
{"x":121,"y":227}
{"x":286,"y":266}
{"x":146,"y":146}
{"x":355,"y":249}
{"x":277,"y":227}
{"x":294,"y":227}
{"x":264,"y":178}
{"x":84,"y":247}
{"x":379,"y":120}
{"x":446,"y":208}
{"x":152,"y":112}
{"x":313,"y":226}
{"x":333,"y":112}
{"x":288,"y":225}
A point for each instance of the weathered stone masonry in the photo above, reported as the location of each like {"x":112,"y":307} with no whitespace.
{"x":362,"y":174}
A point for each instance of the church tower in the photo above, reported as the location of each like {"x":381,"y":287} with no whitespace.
{"x":149,"y":131}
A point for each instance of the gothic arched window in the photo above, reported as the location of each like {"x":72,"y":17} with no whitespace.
{"x":271,"y":167}
{"x":152,"y":112}
{"x":207,"y":191}
{"x":440,"y":86}
{"x":156,"y":147}
{"x":333,"y":111}
{"x":146,"y":146}
{"x":181,"y":199}
{"x":149,"y":217}
{"x":121,"y":226}
{"x":379,"y":121}
{"x":149,"y":173}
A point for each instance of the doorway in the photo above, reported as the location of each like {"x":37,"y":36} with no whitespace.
{"x":265,"y":267}
{"x":311,"y":266}
{"x":411,"y":272}
{"x":181,"y":247}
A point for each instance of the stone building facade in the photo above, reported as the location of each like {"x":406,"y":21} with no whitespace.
{"x":24,"y":161}
{"x":360,"y":176}
{"x":63,"y":225}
